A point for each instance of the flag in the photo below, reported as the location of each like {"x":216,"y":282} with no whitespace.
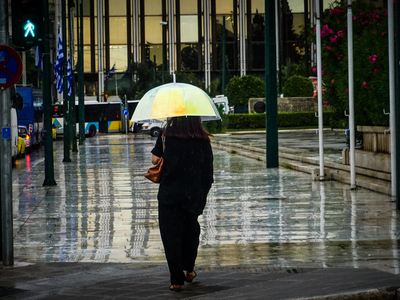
{"x":58,"y":64}
{"x":69,"y":76}
{"x":38,"y":57}
{"x":112,"y":72}
{"x":127,"y":73}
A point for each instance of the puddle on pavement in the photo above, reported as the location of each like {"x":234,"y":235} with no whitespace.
{"x":104,"y":210}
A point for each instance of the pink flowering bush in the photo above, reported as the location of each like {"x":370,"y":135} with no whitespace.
{"x":371,"y":74}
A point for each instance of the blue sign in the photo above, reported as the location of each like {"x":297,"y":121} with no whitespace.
{"x":125,"y":112}
{"x":6,"y":133}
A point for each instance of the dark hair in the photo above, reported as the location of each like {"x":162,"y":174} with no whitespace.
{"x":185,"y":128}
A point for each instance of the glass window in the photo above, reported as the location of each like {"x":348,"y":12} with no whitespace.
{"x":188,"y":7}
{"x":228,"y":27}
{"x":296,"y":5}
{"x":298,"y":20}
{"x":224,"y":6}
{"x":257,"y":22}
{"x":87,"y":66}
{"x":117,"y":8}
{"x":152,"y":7}
{"x":258,"y":5}
{"x":189,"y":57}
{"x":156,"y":50}
{"x":189,"y":28}
{"x":86,"y":8}
{"x":119,"y":57}
{"x":328,"y":3}
{"x":153,"y":30}
{"x":86,"y":30}
{"x":118,"y":31}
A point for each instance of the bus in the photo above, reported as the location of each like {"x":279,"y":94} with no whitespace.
{"x":100,"y":117}
{"x":31,"y":114}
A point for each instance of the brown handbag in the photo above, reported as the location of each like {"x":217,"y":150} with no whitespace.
{"x":154,"y":173}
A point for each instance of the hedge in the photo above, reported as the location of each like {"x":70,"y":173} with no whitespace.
{"x":293,"y":119}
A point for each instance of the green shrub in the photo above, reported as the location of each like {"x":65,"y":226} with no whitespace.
{"x":291,"y":119}
{"x":298,"y":86}
{"x":217,"y":126}
{"x":240,"y":89}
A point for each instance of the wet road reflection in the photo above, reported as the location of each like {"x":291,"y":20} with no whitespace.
{"x":104,"y":210}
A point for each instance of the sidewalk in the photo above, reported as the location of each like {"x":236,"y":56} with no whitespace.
{"x":122,"y":281}
{"x":266,"y":233}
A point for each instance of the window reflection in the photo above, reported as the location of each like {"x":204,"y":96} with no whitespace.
{"x":188,"y":7}
{"x":156,"y":50}
{"x":152,"y":7}
{"x":189,"y":28}
{"x":117,"y":8}
{"x":224,"y":6}
{"x":118,"y":32}
{"x":153,"y":30}
{"x":190,"y":57}
{"x":118,"y":56}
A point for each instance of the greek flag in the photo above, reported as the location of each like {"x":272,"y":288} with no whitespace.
{"x":112,"y":72}
{"x":69,"y":76}
{"x":58,"y":64}
{"x":38,"y":57}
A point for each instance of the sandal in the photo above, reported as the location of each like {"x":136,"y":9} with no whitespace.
{"x":175,"y":287}
{"x":190,"y":276}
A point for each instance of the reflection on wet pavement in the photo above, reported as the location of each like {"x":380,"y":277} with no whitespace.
{"x":104,"y":210}
{"x":304,"y":143}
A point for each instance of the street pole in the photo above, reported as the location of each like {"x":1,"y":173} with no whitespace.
{"x":392,"y":97}
{"x":67,"y":143}
{"x":48,"y":137}
{"x":271,"y":108}
{"x":351,"y":95}
{"x":223,"y":56}
{"x":81,"y":78}
{"x":320,"y":104}
{"x":5,"y":159}
{"x":72,"y":115}
{"x":397,"y":106}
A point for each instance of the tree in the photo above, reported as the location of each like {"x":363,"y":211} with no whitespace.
{"x":371,"y":75}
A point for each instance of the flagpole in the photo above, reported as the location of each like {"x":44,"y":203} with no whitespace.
{"x":116,"y":81}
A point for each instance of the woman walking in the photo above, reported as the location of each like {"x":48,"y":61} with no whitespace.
{"x":186,"y":179}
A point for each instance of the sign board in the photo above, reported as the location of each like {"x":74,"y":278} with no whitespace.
{"x":6,"y":132}
{"x":125,"y":112}
{"x":10,"y":67}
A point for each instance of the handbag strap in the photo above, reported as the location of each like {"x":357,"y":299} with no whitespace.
{"x":163,"y":143}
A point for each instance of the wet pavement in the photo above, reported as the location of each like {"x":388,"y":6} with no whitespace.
{"x":258,"y":222}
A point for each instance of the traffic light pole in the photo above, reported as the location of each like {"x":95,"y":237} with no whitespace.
{"x":67,"y":143}
{"x":80,"y":78}
{"x":271,"y":103}
{"x":5,"y":157}
{"x":48,"y":137}
{"x":72,"y":115}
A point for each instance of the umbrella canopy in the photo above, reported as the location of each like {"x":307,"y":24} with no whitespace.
{"x":175,"y":100}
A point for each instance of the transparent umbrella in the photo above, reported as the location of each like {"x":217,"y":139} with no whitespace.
{"x":175,"y":100}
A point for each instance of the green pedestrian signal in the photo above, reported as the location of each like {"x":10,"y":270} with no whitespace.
{"x":29,"y":29}
{"x":27,"y":22}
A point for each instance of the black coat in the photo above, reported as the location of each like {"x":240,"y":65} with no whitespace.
{"x":187,"y":172}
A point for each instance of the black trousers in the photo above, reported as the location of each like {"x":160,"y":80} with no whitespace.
{"x":180,"y":232}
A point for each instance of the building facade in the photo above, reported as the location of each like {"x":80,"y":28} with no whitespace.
{"x":187,"y":36}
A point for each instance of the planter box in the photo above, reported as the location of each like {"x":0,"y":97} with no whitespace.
{"x":368,"y":160}
{"x":375,"y":154}
{"x":375,"y":138}
{"x":292,"y":104}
